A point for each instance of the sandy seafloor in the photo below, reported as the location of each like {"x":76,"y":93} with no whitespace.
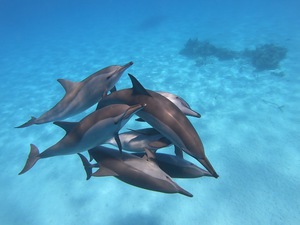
{"x":249,"y":126}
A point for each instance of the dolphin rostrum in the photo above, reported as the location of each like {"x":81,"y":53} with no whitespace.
{"x":81,"y":95}
{"x":180,"y":103}
{"x":164,"y":116}
{"x":138,"y":140}
{"x":131,"y":169}
{"x":91,"y":131}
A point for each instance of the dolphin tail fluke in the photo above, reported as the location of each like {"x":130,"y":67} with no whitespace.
{"x":28,"y":123}
{"x":33,"y":157}
{"x":87,"y":166}
{"x":205,"y":162}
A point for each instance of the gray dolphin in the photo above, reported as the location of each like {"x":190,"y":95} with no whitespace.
{"x":91,"y":131}
{"x":139,"y":172}
{"x":177,"y":167}
{"x":180,"y":103}
{"x":81,"y":95}
{"x":164,"y":116}
{"x":138,"y":140}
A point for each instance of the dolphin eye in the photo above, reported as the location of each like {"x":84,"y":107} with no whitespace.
{"x":107,"y":78}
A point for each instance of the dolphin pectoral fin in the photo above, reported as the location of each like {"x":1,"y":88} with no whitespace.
{"x":178,"y":152}
{"x":87,"y":166}
{"x":103,"y":172}
{"x":118,"y":141}
{"x":33,"y":157}
{"x":67,"y":85}
{"x":67,"y":126}
{"x":205,"y":162}
{"x":28,"y":123}
{"x":137,"y":87}
{"x":113,"y":89}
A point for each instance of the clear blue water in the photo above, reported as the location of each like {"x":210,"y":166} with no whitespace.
{"x":249,"y":126}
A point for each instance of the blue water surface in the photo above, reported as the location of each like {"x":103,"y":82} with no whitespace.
{"x":250,"y":119}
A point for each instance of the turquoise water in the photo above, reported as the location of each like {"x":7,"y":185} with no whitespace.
{"x":249,"y":125}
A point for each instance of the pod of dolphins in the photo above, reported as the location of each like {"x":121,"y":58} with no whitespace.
{"x":165,"y":112}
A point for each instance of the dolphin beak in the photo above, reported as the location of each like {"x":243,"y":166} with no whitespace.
{"x":205,"y":162}
{"x":132,"y":110}
{"x":126,"y":66}
{"x":184,"y":192}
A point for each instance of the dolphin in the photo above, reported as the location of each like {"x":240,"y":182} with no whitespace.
{"x":138,"y":140}
{"x":139,"y":172}
{"x":91,"y":131}
{"x":164,"y":116}
{"x":177,"y":167}
{"x":180,"y":103}
{"x":81,"y":95}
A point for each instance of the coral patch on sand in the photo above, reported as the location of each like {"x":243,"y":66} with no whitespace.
{"x":263,"y":57}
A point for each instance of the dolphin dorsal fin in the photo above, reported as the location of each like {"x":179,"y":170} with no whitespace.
{"x":67,"y":85}
{"x":137,"y":88}
{"x":67,"y":126}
